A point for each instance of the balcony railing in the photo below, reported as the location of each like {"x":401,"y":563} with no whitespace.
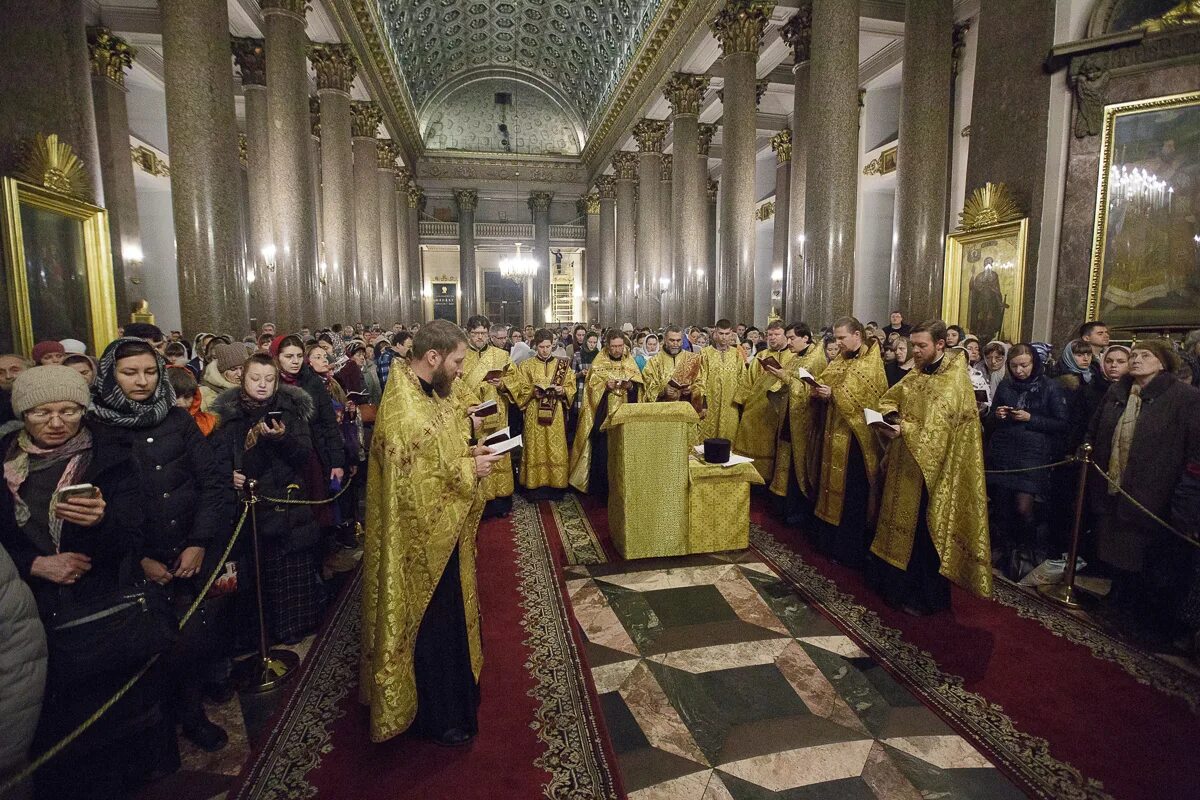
{"x":512,"y":231}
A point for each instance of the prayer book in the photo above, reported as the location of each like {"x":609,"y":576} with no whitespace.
{"x":873,"y":417}
{"x":770,"y":361}
{"x":807,"y":377}
{"x":505,"y":446}
{"x":494,"y":375}
{"x":486,"y":409}
{"x":498,"y":437}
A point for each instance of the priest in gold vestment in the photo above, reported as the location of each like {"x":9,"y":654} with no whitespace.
{"x":613,"y":381}
{"x":543,"y":387}
{"x":763,"y":398}
{"x":721,"y":367}
{"x":798,"y":447}
{"x":850,"y":451}
{"x":933,"y":522}
{"x":482,"y":371}
{"x":421,"y":650}
{"x":674,"y":373}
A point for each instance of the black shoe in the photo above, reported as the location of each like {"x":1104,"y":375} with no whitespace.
{"x":205,"y":735}
{"x":218,"y":693}
{"x":455,"y":737}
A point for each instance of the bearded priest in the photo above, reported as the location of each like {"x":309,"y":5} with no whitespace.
{"x":543,"y":387}
{"x":762,"y":395}
{"x":482,"y":371}
{"x":613,"y":381}
{"x":421,"y":650}
{"x":674,"y":373}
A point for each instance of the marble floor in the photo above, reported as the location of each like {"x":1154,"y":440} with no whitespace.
{"x":718,"y":682}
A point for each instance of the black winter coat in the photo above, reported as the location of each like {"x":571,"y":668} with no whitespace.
{"x":277,"y":464}
{"x":1017,"y":445}
{"x":326,"y":436}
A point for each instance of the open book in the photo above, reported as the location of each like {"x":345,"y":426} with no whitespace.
{"x":770,"y":361}
{"x":486,"y":409}
{"x":497,"y":437}
{"x":494,"y":375}
{"x":504,"y":446}
{"x":874,"y":418}
{"x":807,"y":377}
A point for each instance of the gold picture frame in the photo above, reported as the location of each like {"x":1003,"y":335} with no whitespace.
{"x":1145,"y":242}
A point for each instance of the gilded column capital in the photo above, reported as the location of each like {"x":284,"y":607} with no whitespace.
{"x":314,"y":114}
{"x":797,"y":34}
{"x":625,"y":162}
{"x":416,"y":196}
{"x":606,"y":188}
{"x":540,"y":201}
{"x":335,"y":65}
{"x":387,"y":151}
{"x":467,"y":199}
{"x":781,"y":143}
{"x":740,"y":24}
{"x":404,"y":177}
{"x":666,"y":168}
{"x":590,"y":203}
{"x":365,"y":118}
{"x":685,"y":91}
{"x":650,"y":135}
{"x":242,"y":149}
{"x":294,"y":7}
{"x":110,"y":54}
{"x":250,"y":55}
{"x":711,"y":189}
{"x":705,"y":132}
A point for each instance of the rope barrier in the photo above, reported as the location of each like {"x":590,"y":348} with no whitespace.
{"x":1064,"y":462}
{"x":66,"y":741}
{"x":1189,"y":539}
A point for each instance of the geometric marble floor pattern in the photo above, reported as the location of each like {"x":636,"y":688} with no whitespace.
{"x":717,"y":682}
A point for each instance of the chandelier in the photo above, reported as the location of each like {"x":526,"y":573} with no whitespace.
{"x":1141,"y":190}
{"x":518,"y":267}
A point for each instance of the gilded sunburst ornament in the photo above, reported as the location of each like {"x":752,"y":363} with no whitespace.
{"x":52,"y":164}
{"x":991,"y":205}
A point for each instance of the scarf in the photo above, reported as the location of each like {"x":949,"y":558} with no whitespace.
{"x":24,"y":457}
{"x":112,"y":406}
{"x":1123,"y":437}
{"x":1067,"y":365}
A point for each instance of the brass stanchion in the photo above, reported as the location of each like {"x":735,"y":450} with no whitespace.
{"x":270,"y":668}
{"x":1064,"y":591}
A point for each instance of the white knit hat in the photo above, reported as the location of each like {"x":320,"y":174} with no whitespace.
{"x":73,"y":346}
{"x":51,"y":383}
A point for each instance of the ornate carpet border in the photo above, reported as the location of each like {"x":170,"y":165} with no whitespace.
{"x":1026,"y":758}
{"x":567,"y":722}
{"x":579,"y":540}
{"x":1143,"y":667}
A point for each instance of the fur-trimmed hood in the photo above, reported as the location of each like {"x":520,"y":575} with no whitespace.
{"x":288,"y":399}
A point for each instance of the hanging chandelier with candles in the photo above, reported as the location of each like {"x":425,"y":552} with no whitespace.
{"x":519,"y":266}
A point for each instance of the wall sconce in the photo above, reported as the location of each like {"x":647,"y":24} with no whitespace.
{"x":132,"y":255}
{"x":664,"y":284}
{"x":777,"y":276}
{"x":268,"y":254}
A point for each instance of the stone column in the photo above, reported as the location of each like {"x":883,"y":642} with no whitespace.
{"x":416,"y":270}
{"x":781,"y":143}
{"x":606,"y":194}
{"x":539,"y":204}
{"x":202,"y":135}
{"x":251,"y":59}
{"x":110,"y":57}
{"x":386,"y":304}
{"x":650,"y":134}
{"x":468,"y":275}
{"x":365,"y":117}
{"x":625,"y":163}
{"x":926,"y":106}
{"x":293,"y":208}
{"x":403,"y":276}
{"x":707,"y":307}
{"x":666,"y":262}
{"x":589,"y":205}
{"x":684,"y":92}
{"x":799,"y":282}
{"x":831,"y":191}
{"x":317,"y":312}
{"x":336,"y":66}
{"x":739,"y":28}
{"x":703,"y":301}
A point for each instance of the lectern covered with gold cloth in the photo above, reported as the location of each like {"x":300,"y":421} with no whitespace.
{"x":648,"y":478}
{"x":719,"y":506}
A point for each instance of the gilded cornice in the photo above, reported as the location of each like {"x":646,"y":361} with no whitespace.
{"x":467,"y":199}
{"x":711,"y":189}
{"x":650,"y":135}
{"x":387,"y":152}
{"x":685,"y":91}
{"x":797,"y":34}
{"x":335,"y":65}
{"x":486,"y":167}
{"x":740,"y":24}
{"x":250,"y":55}
{"x":149,"y":161}
{"x":781,"y":143}
{"x":705,"y":132}
{"x":365,"y":117}
{"x":606,"y":188}
{"x":110,"y":54}
{"x":540,"y":201}
{"x":666,"y":167}
{"x":625,"y":162}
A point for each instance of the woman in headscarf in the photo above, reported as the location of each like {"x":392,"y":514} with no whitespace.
{"x":901,"y":361}
{"x":647,"y":351}
{"x":84,"y":364}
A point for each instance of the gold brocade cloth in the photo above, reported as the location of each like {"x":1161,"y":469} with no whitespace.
{"x":720,"y":372}
{"x":800,"y":452}
{"x":719,"y":506}
{"x":763,"y":398}
{"x":544,"y":457}
{"x":595,"y":390}
{"x":476,"y":366}
{"x":422,"y":502}
{"x":941,"y":447}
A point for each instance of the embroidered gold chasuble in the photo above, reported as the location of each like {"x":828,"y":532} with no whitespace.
{"x":857,"y":383}
{"x":721,"y":371}
{"x":422,"y":501}
{"x":763,"y":401}
{"x":476,"y":366}
{"x":544,"y":456}
{"x":941,"y":447}
{"x":799,"y":452}
{"x":595,"y":390}
{"x":663,"y":367}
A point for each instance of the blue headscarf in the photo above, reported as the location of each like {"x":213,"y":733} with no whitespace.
{"x":1067,"y":365}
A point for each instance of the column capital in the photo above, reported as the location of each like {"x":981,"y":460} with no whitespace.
{"x":705,"y":132}
{"x":467,"y":199}
{"x":335,"y":65}
{"x":387,"y":151}
{"x":110,"y":54}
{"x":666,"y":168}
{"x":314,"y":114}
{"x":251,"y":57}
{"x":589,"y":203}
{"x":711,"y":189}
{"x":650,"y":134}
{"x":416,"y":196}
{"x":296,"y":8}
{"x":685,"y":91}
{"x":540,"y":201}
{"x":781,"y":143}
{"x":404,"y":176}
{"x":625,"y":162}
{"x":740,"y":24}
{"x":606,"y":187}
{"x":797,"y":34}
{"x":365,"y":118}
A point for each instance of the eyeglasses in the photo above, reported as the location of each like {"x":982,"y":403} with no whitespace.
{"x":44,"y":416}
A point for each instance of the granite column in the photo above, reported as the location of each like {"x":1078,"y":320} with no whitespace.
{"x":702,"y":300}
{"x":666,"y":261}
{"x":386,"y":306}
{"x":781,"y":143}
{"x":539,"y":204}
{"x":606,"y":197}
{"x":799,"y":282}
{"x":625,"y":163}
{"x":684,"y":92}
{"x":251,"y":59}
{"x":365,"y":117}
{"x":319,"y":310}
{"x":707,"y":305}
{"x":468,"y":273}
{"x":416,"y":270}
{"x":650,"y":134}
{"x":404,"y":306}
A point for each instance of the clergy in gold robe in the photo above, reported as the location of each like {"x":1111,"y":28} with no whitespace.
{"x":613,"y":381}
{"x":721,"y":366}
{"x":543,"y":387}
{"x":482,"y":371}
{"x":798,"y":447}
{"x":421,"y":652}
{"x":850,"y":450}
{"x":933,"y":522}
{"x":763,"y":398}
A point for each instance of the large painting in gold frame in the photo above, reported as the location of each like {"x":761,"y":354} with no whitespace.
{"x":1145,"y":266}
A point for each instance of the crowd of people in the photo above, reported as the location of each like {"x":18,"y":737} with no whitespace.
{"x":125,"y":471}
